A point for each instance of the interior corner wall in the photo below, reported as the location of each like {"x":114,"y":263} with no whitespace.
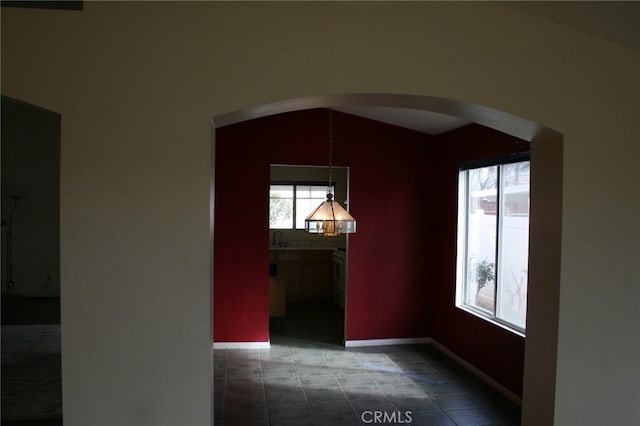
{"x":496,"y":352}
{"x":387,"y":292}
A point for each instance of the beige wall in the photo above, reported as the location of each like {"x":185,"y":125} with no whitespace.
{"x":136,"y":85}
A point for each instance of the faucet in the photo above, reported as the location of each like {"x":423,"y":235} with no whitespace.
{"x":275,"y":239}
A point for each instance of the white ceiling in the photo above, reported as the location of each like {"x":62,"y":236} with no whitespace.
{"x":616,"y":21}
{"x":428,"y":122}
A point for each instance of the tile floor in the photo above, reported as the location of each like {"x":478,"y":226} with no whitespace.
{"x":33,"y":423}
{"x":31,"y":362}
{"x":308,"y":378}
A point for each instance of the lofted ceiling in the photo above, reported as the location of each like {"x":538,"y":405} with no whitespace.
{"x":432,"y":123}
{"x":615,"y":21}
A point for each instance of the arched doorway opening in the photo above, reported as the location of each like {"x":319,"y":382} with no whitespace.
{"x":545,"y":226}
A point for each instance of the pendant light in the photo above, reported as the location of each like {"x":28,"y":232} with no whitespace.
{"x":330,"y":218}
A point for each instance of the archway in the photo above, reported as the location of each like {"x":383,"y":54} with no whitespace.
{"x":545,"y":225}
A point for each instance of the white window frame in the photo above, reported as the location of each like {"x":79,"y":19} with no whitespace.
{"x":329,"y":187}
{"x":462,"y":240}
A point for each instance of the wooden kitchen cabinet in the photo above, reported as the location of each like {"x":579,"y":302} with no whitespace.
{"x":307,"y":273}
{"x":277,"y":297}
{"x":291,"y":271}
{"x":316,"y":279}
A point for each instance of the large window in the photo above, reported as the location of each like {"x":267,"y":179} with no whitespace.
{"x":493,"y":242}
{"x":291,"y":203}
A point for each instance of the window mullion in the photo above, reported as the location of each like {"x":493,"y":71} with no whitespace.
{"x":295,"y":201}
{"x":465,"y":266}
{"x":499,"y":199}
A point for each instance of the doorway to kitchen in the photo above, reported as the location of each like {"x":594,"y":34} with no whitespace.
{"x":307,"y":272}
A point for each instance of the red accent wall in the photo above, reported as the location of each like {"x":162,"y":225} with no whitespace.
{"x":388,"y":278}
{"x":495,"y":351}
{"x":403,"y":192}
{"x":387,"y":283}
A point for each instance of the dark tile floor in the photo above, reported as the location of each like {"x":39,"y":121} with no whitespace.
{"x":308,"y":378}
{"x":31,"y":362}
{"x":30,"y":310}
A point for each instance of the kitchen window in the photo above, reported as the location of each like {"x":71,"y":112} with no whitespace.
{"x":291,"y":203}
{"x":493,"y":241}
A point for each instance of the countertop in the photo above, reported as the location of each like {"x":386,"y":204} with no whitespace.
{"x":304,"y":248}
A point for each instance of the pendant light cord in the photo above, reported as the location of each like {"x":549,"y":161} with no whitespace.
{"x":330,"y":149}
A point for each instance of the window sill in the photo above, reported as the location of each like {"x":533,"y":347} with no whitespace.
{"x":491,"y":320}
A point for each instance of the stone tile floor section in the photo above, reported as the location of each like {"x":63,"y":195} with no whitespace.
{"x":315,"y":381}
{"x":31,"y":362}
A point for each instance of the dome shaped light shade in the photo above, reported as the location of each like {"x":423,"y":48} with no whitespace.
{"x":330,"y":219}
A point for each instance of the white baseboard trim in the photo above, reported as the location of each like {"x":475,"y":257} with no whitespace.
{"x":241,"y":345}
{"x":386,"y":342}
{"x":479,"y":373}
